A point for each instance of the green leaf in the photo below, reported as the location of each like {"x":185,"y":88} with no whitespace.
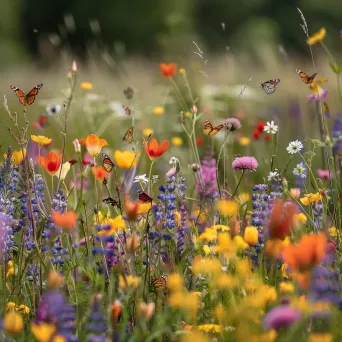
{"x":336,"y":67}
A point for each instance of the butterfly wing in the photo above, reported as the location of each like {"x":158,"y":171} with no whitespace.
{"x":127,"y":110}
{"x":111,"y":201}
{"x":20,"y":94}
{"x":107,"y":163}
{"x":143,"y":197}
{"x":128,"y":137}
{"x":305,"y":78}
{"x":269,"y":87}
{"x":208,"y":127}
{"x":31,"y":96}
{"x":160,"y":283}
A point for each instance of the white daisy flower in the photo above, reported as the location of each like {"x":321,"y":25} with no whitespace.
{"x":173,"y":161}
{"x":274,"y":176}
{"x":271,"y":128}
{"x":294,"y":147}
{"x":300,"y":170}
{"x":141,"y":179}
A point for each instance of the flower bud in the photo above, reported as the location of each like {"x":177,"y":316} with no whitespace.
{"x":131,"y":209}
{"x":251,"y":235}
{"x":74,"y":66}
{"x":132,"y":243}
{"x":146,"y":310}
{"x":116,"y":310}
{"x":77,"y":146}
{"x":194,"y":109}
{"x":13,"y":323}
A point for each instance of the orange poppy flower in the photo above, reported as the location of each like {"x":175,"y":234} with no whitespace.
{"x":308,"y":252}
{"x":154,"y":150}
{"x":168,"y":70}
{"x":67,"y":220}
{"x":93,"y":144}
{"x":99,"y":172}
{"x":131,"y":209}
{"x":51,"y":163}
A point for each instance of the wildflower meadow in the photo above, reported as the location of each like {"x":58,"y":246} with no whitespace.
{"x":180,"y":211}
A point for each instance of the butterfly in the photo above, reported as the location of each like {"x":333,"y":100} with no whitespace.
{"x":269,"y":87}
{"x":210,"y":130}
{"x":143,"y":197}
{"x":111,"y":201}
{"x":160,"y":283}
{"x":127,"y":110}
{"x":128,"y":137}
{"x":305,"y":78}
{"x":27,"y":99}
{"x":107,"y":163}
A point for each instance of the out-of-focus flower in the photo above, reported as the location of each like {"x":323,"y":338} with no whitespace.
{"x":281,"y":316}
{"x":274,"y":176}
{"x":256,"y":134}
{"x":244,"y":141}
{"x":155,"y":150}
{"x":13,"y":323}
{"x":43,"y":332}
{"x":172,"y":172}
{"x":53,"y":110}
{"x":99,"y":172}
{"x":295,"y":192}
{"x":232,"y":124}
{"x":177,"y":141}
{"x":182,"y":71}
{"x":168,"y":70}
{"x":129,"y":282}
{"x":199,"y":141}
{"x":132,"y":243}
{"x":11,"y":306}
{"x":282,"y":219}
{"x":116,"y":310}
{"x":324,"y":174}
{"x":77,"y":145}
{"x":41,"y":140}
{"x":131,"y":209}
{"x":301,"y":217}
{"x":261,"y":125}
{"x":146,"y":310}
{"x":286,"y":287}
{"x":294,"y":147}
{"x":65,"y":169}
{"x":320,"y":337}
{"x":24,"y":309}
{"x":307,"y":253}
{"x":318,"y":94}
{"x":300,"y":170}
{"x":17,"y":157}
{"x":244,"y":163}
{"x":317,"y":37}
{"x":158,"y":110}
{"x":116,"y":224}
{"x":51,"y":162}
{"x":210,"y":328}
{"x":86,"y":86}
{"x":227,"y":207}
{"x":93,"y":144}
{"x":245,"y":197}
{"x":311,"y":198}
{"x":126,"y":159}
{"x":271,"y":128}
{"x":55,"y":280}
{"x":251,"y":235}
{"x":147,"y":132}
{"x":66,"y":221}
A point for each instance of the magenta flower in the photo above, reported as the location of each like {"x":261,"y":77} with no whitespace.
{"x":208,"y":173}
{"x":324,"y":174}
{"x":232,"y":124}
{"x":317,"y":95}
{"x":245,"y":163}
{"x":281,"y":316}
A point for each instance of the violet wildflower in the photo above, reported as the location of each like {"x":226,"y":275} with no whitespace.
{"x":209,"y":180}
{"x":244,"y":163}
{"x":232,"y":124}
{"x":97,"y":325}
{"x":66,"y":323}
{"x":6,"y":233}
{"x":318,"y":94}
{"x":282,"y":316}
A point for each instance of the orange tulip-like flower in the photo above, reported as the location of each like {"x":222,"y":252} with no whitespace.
{"x":93,"y":144}
{"x":154,"y":150}
{"x":168,"y":70}
{"x":131,"y":209}
{"x":307,"y":253}
{"x":51,"y":163}
{"x":66,"y":221}
{"x":99,"y":172}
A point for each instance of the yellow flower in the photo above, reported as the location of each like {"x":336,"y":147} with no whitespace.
{"x":116,"y":224}
{"x":320,"y":337}
{"x":194,"y":336}
{"x":43,"y":332}
{"x":301,"y":217}
{"x":206,"y":265}
{"x":206,"y":250}
{"x":240,"y":243}
{"x":41,"y":140}
{"x":187,"y":302}
{"x":285,"y":271}
{"x":126,"y":159}
{"x":158,"y":110}
{"x":225,"y":281}
{"x":332,"y":232}
{"x":187,"y":114}
{"x":11,"y":306}
{"x":181,"y":71}
{"x":86,"y":86}
{"x":221,"y":228}
{"x":317,"y":37}
{"x":65,"y":169}
{"x":286,"y":287}
{"x":220,"y":312}
{"x":245,"y":197}
{"x":311,"y":198}
{"x":177,"y":141}
{"x":210,"y":328}
{"x":13,"y":323}
{"x":10,"y":263}
{"x":175,"y":282}
{"x":244,"y":141}
{"x":251,"y":235}
{"x":93,"y":144}
{"x":227,"y":207}
{"x":147,"y":131}
{"x":10,"y":272}
{"x":23,"y":308}
{"x":208,"y":235}
{"x":129,"y":282}
{"x":17,"y":156}
{"x":59,"y":338}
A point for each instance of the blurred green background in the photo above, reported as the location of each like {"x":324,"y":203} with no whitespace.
{"x":40,"y":30}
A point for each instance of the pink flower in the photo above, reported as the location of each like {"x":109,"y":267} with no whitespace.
{"x":317,"y":95}
{"x":171,"y":172}
{"x":281,"y":316}
{"x":245,"y":163}
{"x":77,"y":145}
{"x":232,"y":124}
{"x":324,"y":174}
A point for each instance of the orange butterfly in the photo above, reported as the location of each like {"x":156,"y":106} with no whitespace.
{"x":107,"y":163}
{"x":160,"y":283}
{"x":305,"y":78}
{"x":27,"y":99}
{"x":210,"y":130}
{"x":128,"y":137}
{"x":126,"y":109}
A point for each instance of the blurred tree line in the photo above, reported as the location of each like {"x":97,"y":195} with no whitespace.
{"x":155,"y":28}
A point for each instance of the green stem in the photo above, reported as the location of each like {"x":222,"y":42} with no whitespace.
{"x":243,"y":172}
{"x":218,"y":162}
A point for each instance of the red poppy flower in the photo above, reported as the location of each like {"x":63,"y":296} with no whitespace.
{"x":99,"y":172}
{"x":256,"y":134}
{"x":154,"y":150}
{"x":168,"y":70}
{"x":51,"y":163}
{"x":261,"y":125}
{"x":199,"y":141}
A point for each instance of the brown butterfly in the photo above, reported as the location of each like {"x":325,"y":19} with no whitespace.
{"x":160,"y":283}
{"x":210,"y":130}
{"x":126,"y":109}
{"x":128,"y":137}
{"x":107,"y":163}
{"x":111,"y":201}
{"x":305,"y":78}
{"x":27,"y":99}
